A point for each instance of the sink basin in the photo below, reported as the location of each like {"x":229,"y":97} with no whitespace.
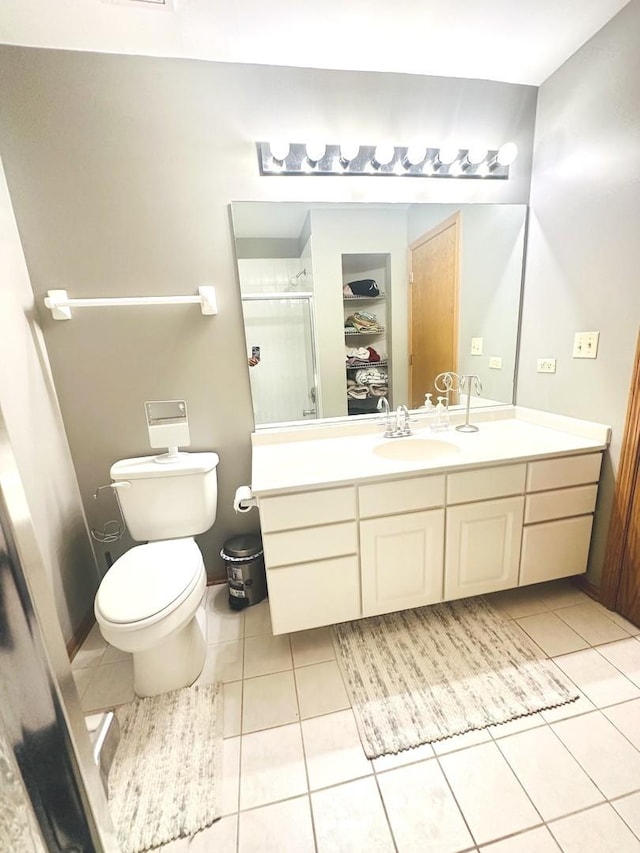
{"x":408,"y":449}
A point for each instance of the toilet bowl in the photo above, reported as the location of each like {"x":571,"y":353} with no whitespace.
{"x":151,"y":604}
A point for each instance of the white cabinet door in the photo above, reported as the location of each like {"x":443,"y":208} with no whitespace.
{"x":556,"y":549}
{"x":483,"y":547}
{"x":401,"y":561}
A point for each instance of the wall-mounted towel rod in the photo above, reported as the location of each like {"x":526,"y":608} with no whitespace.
{"x":60,"y":304}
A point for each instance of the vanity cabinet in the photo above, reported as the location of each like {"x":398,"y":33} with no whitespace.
{"x":560,"y":501}
{"x":310,"y":543}
{"x":338,"y":554}
{"x":401,"y":550}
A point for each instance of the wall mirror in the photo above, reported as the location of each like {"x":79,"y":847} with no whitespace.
{"x":344,"y":303}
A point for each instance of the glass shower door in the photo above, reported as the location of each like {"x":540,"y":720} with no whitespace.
{"x":284,"y":382}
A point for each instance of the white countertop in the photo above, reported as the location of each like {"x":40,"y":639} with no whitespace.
{"x":324,"y":455}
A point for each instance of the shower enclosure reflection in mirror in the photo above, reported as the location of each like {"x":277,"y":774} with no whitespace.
{"x":460,"y":313}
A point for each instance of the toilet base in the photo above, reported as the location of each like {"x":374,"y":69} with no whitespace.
{"x":176,"y":662}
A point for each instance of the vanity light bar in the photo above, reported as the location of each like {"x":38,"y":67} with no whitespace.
{"x":295,"y":158}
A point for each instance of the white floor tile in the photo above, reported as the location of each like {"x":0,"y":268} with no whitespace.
{"x":220,"y":836}
{"x":561,"y":593}
{"x":321,"y":689}
{"x":597,"y":830}
{"x":520,"y":724}
{"x":525,"y":601}
{"x":629,"y":810}
{"x":111,"y":685}
{"x":491,"y":798}
{"x":269,"y":700}
{"x":592,"y":624}
{"x":538,"y":840}
{"x":570,"y":709}
{"x":553,"y":635}
{"x":629,"y":627}
{"x":257,"y":620}
{"x":314,"y":646}
{"x":350,"y":819}
{"x":450,"y":744}
{"x":606,"y":755}
{"x":625,"y":656}
{"x":601,"y":682}
{"x":552,"y":778}
{"x":333,"y":750}
{"x":230,"y":788}
{"x":232,"y":694}
{"x":223,"y":662}
{"x":279,"y":828}
{"x":113,"y":655}
{"x":272,"y":766}
{"x":82,"y":678}
{"x":401,"y":759}
{"x":265,"y":654}
{"x":422,"y":811}
{"x":91,"y":651}
{"x":224,"y":627}
{"x":626,"y":718}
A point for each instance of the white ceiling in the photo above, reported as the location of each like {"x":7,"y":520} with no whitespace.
{"x":517,"y":41}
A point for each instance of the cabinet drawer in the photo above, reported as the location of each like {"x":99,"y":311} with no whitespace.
{"x":401,"y":496}
{"x":314,"y":594}
{"x":564,"y":471}
{"x":310,"y":543}
{"x":285,"y":512}
{"x":545,"y":506}
{"x":556,"y":549}
{"x":467,"y":486}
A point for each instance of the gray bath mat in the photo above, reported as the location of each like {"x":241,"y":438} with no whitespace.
{"x":167,"y":771}
{"x":422,"y":675}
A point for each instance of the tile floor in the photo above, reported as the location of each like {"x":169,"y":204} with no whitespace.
{"x":296,"y":778}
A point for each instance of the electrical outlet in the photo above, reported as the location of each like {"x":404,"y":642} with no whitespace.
{"x":546,"y":365}
{"x":495,"y":362}
{"x":585,"y":344}
{"x":476,"y":346}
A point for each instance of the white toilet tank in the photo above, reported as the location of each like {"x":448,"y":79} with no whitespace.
{"x":164,"y":498}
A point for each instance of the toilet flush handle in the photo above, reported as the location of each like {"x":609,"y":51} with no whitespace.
{"x":121,"y":484}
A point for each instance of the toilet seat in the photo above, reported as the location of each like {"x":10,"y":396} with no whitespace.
{"x":149,"y":580}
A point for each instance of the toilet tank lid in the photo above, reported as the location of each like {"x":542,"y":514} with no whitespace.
{"x":143,"y":467}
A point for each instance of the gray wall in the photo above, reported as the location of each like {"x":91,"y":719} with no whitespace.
{"x":121,"y":170}
{"x":30,"y":408}
{"x":583,"y":251}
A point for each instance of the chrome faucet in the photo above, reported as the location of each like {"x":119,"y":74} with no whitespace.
{"x":383,"y":406}
{"x":402,"y":421}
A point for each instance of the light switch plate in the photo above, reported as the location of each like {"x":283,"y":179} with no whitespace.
{"x":585,"y":344}
{"x":546,"y":365}
{"x":495,"y":362}
{"x":476,"y":346}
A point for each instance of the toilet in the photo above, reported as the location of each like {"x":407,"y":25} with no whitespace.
{"x":151,"y":601}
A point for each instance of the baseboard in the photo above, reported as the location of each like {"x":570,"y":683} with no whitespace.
{"x":586,"y":586}
{"x":81,"y":634}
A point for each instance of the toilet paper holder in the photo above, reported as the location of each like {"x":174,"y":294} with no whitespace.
{"x":244,"y":499}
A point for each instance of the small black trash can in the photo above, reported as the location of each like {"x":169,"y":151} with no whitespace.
{"x":245,"y":570}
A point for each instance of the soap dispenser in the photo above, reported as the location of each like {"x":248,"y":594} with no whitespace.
{"x":429,"y":409}
{"x":442,"y":415}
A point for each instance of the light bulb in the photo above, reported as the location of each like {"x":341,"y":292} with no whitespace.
{"x":507,"y":154}
{"x":455,"y":168}
{"x":315,"y":151}
{"x":348,"y":152}
{"x":279,"y":150}
{"x":384,"y":154}
{"x":414,"y":156}
{"x":476,"y":154}
{"x":447,"y":154}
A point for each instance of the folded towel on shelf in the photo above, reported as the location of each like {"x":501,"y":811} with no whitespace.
{"x":373,"y":355}
{"x":361,"y":353}
{"x":371,"y":376}
{"x":364,"y":287}
{"x":363,"y":321}
{"x":358,"y":392}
